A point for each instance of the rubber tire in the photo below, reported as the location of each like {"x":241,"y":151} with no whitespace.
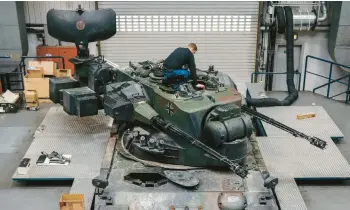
{"x":280,"y":20}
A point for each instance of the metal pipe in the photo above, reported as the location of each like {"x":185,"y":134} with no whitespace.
{"x":304,"y":21}
{"x":324,"y":13}
{"x":317,"y":28}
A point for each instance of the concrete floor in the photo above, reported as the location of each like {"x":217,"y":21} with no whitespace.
{"x":17,"y":133}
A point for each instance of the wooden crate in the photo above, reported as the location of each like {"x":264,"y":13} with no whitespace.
{"x":31,"y":96}
{"x":35,"y":72}
{"x":48,"y":66}
{"x":306,"y":115}
{"x":63,"y":73}
{"x":41,"y":85}
{"x":72,"y":202}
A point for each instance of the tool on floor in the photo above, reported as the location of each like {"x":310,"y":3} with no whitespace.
{"x":54,"y":158}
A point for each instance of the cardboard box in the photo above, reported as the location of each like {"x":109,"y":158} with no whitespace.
{"x":31,"y":96}
{"x":35,"y":72}
{"x":41,"y":85}
{"x":63,"y":73}
{"x":10,"y":102}
{"x":34,"y":63}
{"x":72,"y":202}
{"x":48,"y":66}
{"x":32,"y":104}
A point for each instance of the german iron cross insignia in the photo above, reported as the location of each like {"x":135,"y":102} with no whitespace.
{"x":170,"y":109}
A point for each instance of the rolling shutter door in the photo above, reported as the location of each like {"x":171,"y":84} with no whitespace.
{"x":225,"y":33}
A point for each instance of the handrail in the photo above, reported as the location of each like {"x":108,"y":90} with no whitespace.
{"x":272,"y":73}
{"x":6,"y":76}
{"x":329,"y":78}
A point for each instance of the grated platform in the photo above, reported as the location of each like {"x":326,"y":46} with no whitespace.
{"x":83,"y":138}
{"x":58,"y":123}
{"x":87,"y":153}
{"x":321,"y":126}
{"x":293,"y":157}
{"x":289,"y":195}
{"x":290,"y":158}
{"x":84,"y":186}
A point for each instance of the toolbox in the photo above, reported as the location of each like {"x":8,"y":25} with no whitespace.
{"x":10,"y":102}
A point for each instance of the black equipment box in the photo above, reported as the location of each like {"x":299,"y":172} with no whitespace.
{"x":59,"y":83}
{"x":99,"y":76}
{"x":80,"y":101}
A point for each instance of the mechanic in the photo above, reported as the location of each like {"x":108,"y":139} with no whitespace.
{"x":174,"y":72}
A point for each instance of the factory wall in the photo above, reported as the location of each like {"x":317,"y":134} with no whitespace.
{"x":13,"y":40}
{"x":35,"y":13}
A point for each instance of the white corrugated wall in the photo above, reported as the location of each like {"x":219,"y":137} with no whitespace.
{"x":225,"y":32}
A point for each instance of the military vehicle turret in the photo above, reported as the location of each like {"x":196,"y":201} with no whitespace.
{"x":183,"y":128}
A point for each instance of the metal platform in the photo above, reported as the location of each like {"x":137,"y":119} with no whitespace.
{"x":290,"y":157}
{"x":83,"y":138}
{"x":321,"y":126}
{"x":289,"y":195}
{"x":58,"y":123}
{"x":85,"y":187}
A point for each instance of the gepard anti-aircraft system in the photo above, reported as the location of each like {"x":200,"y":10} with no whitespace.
{"x":157,"y":125}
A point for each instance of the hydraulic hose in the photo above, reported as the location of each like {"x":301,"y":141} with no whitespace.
{"x":292,"y":92}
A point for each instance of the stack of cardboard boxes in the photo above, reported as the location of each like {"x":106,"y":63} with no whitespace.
{"x":38,"y":76}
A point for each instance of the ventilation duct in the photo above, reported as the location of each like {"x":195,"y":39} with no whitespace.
{"x":287,"y":14}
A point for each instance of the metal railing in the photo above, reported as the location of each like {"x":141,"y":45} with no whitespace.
{"x":6,"y":79}
{"x":329,"y":78}
{"x":273,"y":73}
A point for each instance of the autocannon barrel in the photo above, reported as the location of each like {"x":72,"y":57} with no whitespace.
{"x":160,"y":124}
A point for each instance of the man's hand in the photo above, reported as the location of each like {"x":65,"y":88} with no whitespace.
{"x":200,"y":86}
